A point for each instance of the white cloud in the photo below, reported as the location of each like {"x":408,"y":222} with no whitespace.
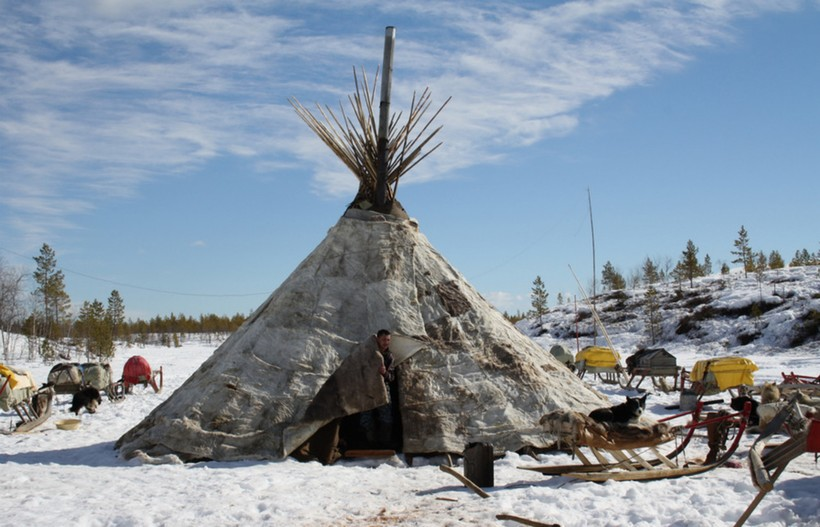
{"x":101,"y":96}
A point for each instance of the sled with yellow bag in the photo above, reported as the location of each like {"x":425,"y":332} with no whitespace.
{"x":20,"y":394}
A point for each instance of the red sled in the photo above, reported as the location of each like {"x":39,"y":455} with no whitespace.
{"x":138,"y":371}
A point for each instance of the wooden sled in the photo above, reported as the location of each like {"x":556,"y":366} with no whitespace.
{"x":18,"y":392}
{"x":34,"y":411}
{"x":605,"y":363}
{"x":794,"y":378}
{"x":766,"y":466}
{"x":618,"y":457}
{"x":657,"y":364}
{"x":805,"y":383}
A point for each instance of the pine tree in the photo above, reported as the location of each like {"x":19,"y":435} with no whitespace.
{"x":689,"y":263}
{"x":802,"y":258}
{"x":94,"y":327}
{"x":115,"y":313}
{"x":650,"y":272}
{"x":611,"y":279}
{"x":743,"y":251}
{"x":50,"y":293}
{"x":707,"y":266}
{"x":776,"y":261}
{"x":760,"y":266}
{"x":652,"y":309}
{"x":539,"y":299}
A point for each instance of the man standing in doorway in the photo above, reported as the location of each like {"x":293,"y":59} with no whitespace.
{"x":379,"y":422}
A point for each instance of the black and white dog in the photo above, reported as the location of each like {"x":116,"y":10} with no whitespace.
{"x":88,"y":398}
{"x":627,"y":412}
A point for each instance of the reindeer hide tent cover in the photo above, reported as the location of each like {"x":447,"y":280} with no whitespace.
{"x":302,"y":359}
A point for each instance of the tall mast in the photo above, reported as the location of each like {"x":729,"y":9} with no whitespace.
{"x":592,"y":228}
{"x":384,"y":118}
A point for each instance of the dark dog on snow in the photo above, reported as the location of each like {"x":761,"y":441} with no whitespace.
{"x":738,"y":403}
{"x":88,"y":398}
{"x":625,"y":413}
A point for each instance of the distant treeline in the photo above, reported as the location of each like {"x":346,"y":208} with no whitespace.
{"x":140,"y":331}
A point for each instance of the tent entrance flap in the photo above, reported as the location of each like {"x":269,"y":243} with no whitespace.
{"x":354,"y":387}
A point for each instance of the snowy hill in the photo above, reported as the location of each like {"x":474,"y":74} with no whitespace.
{"x":718,"y":315}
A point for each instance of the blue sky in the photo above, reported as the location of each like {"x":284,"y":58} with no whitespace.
{"x":152,"y":145}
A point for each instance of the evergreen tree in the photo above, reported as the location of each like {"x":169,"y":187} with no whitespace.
{"x":652,"y":309}
{"x":743,"y":251}
{"x":707,"y":266}
{"x":50,"y":293}
{"x":539,"y":299}
{"x":650,"y":272}
{"x":115,"y":313}
{"x":689,"y":263}
{"x":776,"y":261}
{"x":611,"y":278}
{"x":761,"y":264}
{"x":560,"y":299}
{"x":94,"y":327}
{"x":802,"y":258}
{"x":724,"y":268}
{"x":679,"y":275}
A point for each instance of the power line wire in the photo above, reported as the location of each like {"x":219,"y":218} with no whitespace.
{"x":143,"y":288}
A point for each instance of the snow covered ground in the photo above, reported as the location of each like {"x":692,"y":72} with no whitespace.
{"x":56,"y":477}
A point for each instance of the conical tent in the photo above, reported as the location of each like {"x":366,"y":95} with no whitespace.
{"x":305,"y":363}
{"x":303,"y":359}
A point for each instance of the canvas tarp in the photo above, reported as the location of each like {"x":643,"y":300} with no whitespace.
{"x":598,"y":357}
{"x":728,"y":372}
{"x":298,"y":361}
{"x":16,"y":386}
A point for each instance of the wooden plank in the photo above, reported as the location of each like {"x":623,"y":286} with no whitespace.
{"x":640,"y":475}
{"x":622,"y":459}
{"x":665,"y":460}
{"x":637,"y":457}
{"x":469,"y":484}
{"x":559,"y":470}
{"x":580,"y":455}
{"x":524,"y":521}
{"x":600,"y":457}
{"x":760,"y":476}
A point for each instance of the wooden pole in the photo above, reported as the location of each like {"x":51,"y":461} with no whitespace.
{"x":594,"y":271}
{"x":384,"y":120}
{"x":467,"y":483}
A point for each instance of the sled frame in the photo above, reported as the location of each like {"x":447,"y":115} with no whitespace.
{"x":34,"y":411}
{"x":766,"y":466}
{"x":631,"y":465}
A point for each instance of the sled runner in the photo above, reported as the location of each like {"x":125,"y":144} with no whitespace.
{"x":630,"y":452}
{"x":19,"y":393}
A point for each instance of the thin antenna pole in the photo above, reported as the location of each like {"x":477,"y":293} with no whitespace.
{"x":384,"y":118}
{"x":594,"y":272}
{"x":592,"y":308}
